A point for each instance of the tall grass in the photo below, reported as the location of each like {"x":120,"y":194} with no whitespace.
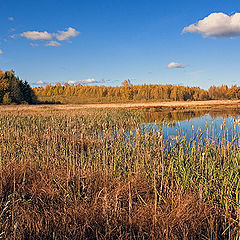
{"x":103,"y":176}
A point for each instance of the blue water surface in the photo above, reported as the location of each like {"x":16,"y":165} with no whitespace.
{"x":201,"y":129}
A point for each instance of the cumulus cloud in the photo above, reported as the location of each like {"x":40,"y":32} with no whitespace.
{"x":91,"y":80}
{"x":85,"y":81}
{"x":53,"y":44}
{"x":40,"y":82}
{"x":35,"y":35}
{"x":72,"y":82}
{"x":1,"y":52}
{"x":175,"y":65}
{"x":218,"y":25}
{"x":50,"y":37}
{"x":65,"y":35}
{"x":11,"y":19}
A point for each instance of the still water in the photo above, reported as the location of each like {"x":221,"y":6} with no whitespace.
{"x":217,"y":125}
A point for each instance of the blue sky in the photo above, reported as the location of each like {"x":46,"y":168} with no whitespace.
{"x":106,"y":42}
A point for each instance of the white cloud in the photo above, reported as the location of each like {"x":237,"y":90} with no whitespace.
{"x":72,"y":82}
{"x":35,"y":35}
{"x":40,"y":82}
{"x":1,"y":52}
{"x":91,"y":80}
{"x":218,"y":25}
{"x":11,"y":19}
{"x":65,"y":35}
{"x":175,"y":65}
{"x":50,"y":37}
{"x":53,"y":44}
{"x":85,"y":81}
{"x":13,"y":36}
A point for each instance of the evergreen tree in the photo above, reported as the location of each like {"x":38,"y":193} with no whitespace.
{"x":14,"y":90}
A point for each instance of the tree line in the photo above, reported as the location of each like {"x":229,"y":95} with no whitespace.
{"x":128,"y":92}
{"x":14,"y":90}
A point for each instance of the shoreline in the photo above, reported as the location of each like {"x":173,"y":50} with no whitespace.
{"x":160,"y":105}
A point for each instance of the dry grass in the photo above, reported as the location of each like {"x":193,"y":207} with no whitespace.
{"x":82,"y":107}
{"x":41,"y":203}
{"x":103,"y":176}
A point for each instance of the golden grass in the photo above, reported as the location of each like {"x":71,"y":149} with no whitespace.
{"x":81,"y":107}
{"x":103,"y":176}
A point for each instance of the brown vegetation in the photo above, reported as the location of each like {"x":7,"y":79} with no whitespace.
{"x":101,"y":176}
{"x":52,"y":202}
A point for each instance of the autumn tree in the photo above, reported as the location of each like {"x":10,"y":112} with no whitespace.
{"x":129,"y":92}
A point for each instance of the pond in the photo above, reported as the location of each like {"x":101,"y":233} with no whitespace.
{"x":216,"y":125}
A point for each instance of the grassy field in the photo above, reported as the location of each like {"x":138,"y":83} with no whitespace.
{"x":98,"y":174}
{"x":164,"y":105}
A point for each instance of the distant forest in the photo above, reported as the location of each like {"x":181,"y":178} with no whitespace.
{"x":15,"y":91}
{"x":132,"y":93}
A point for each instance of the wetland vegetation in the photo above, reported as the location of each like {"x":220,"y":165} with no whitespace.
{"x":105,"y":174}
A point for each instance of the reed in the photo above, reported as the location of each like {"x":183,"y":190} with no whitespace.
{"x":105,"y":175}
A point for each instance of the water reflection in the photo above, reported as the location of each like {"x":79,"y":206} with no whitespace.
{"x":219,"y":125}
{"x":152,"y":115}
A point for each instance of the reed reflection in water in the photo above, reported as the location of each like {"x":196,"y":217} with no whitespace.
{"x":217,"y":125}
